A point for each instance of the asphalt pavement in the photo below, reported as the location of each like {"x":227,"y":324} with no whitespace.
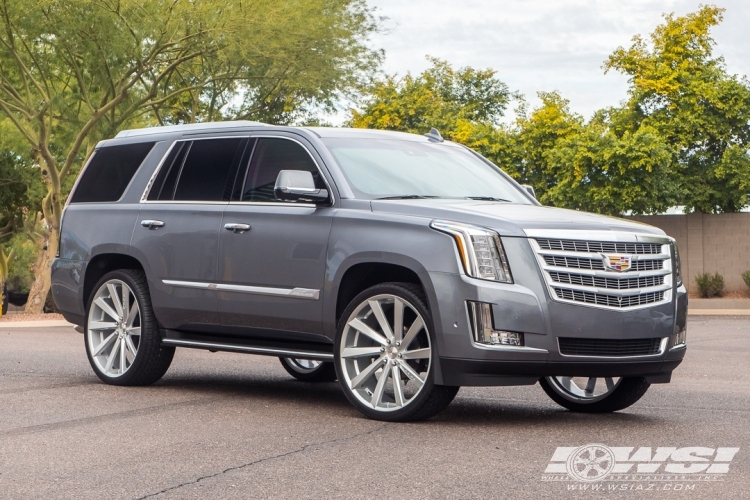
{"x":223,"y":425}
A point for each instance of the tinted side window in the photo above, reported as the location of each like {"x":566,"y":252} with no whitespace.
{"x":269,"y":158}
{"x":163,"y":187}
{"x":207,"y":172}
{"x":109,"y":172}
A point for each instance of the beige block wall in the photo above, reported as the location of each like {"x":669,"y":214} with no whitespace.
{"x":709,"y":243}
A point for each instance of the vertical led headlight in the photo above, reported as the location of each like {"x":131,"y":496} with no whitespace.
{"x":481,"y":251}
{"x":677,"y":265}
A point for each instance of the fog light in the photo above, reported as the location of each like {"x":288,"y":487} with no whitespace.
{"x":480,"y":314}
{"x":679,"y":339}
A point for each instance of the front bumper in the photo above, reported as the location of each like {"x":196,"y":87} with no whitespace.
{"x":525,"y":306}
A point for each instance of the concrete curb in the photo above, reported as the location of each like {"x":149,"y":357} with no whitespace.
{"x":35,"y":324}
{"x":718,"y":312}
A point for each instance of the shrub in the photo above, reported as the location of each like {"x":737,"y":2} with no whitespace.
{"x":21,"y":275}
{"x":746,"y":278}
{"x":710,"y":285}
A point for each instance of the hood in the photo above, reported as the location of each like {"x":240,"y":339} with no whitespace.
{"x":510,"y":219}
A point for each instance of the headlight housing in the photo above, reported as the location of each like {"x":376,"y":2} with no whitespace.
{"x":480,"y":249}
{"x":677,"y":265}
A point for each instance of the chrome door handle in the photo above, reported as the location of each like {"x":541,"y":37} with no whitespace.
{"x":237,"y":228}
{"x":152,"y":224}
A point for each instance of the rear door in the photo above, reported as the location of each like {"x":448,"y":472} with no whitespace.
{"x":177,"y":234}
{"x":272,"y":269}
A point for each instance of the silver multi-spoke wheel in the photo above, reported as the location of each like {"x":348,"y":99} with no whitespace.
{"x":584,"y":389}
{"x":114,"y":328}
{"x":385,"y":353}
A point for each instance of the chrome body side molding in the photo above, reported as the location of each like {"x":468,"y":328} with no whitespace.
{"x":294,"y":293}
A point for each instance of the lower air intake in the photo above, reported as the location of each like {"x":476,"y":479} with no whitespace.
{"x":612,"y":348}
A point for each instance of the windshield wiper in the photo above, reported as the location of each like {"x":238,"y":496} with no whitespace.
{"x":408,"y":197}
{"x":486,"y":198}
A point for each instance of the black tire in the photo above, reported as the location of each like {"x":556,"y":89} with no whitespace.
{"x":325,"y":372}
{"x":628,"y":391}
{"x":152,"y":359}
{"x":432,"y":398}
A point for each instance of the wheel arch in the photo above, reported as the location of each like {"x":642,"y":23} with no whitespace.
{"x":101,"y":264}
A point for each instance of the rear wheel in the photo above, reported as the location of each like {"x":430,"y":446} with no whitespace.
{"x":384,"y":355}
{"x":595,"y":394}
{"x":122,"y":339}
{"x":309,"y":370}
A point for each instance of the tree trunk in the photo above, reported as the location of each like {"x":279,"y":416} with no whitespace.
{"x":42,"y":271}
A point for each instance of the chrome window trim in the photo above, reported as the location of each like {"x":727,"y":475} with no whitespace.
{"x":312,"y":157}
{"x":292,"y":293}
{"x":249,"y":349}
{"x":662,"y":350}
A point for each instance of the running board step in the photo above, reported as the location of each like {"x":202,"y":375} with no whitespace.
{"x":266,"y":351}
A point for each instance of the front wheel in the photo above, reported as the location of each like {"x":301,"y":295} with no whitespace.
{"x":309,"y":370}
{"x":384,"y":355}
{"x":595,"y":394}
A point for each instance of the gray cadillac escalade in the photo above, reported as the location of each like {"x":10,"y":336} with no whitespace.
{"x":404,"y":266}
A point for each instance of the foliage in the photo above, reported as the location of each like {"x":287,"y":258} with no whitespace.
{"x":440,"y":97}
{"x":682,"y":92}
{"x":681,"y":138}
{"x":710,"y":285}
{"x":746,"y":278}
{"x":21,"y":274}
{"x":598,"y":171}
{"x":73,"y":72}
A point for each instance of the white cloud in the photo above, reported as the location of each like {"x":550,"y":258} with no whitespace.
{"x":542,"y":45}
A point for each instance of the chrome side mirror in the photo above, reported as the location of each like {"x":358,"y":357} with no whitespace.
{"x":529,"y":189}
{"x":298,"y":185}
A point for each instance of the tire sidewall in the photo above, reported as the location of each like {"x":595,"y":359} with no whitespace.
{"x":320,"y":374}
{"x":415,"y":301}
{"x":149,"y":333}
{"x":621,"y":398}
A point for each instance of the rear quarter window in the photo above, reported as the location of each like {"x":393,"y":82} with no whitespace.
{"x":109,"y":172}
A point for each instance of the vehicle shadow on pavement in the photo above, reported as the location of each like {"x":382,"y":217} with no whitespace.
{"x":512,"y":413}
{"x":464,"y":411}
{"x":260,"y":387}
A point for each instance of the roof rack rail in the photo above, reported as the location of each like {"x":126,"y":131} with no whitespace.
{"x":189,"y":127}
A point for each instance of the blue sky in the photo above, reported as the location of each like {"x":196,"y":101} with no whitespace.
{"x":542,"y":45}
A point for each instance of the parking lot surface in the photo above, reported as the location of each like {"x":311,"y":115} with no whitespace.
{"x":223,"y":425}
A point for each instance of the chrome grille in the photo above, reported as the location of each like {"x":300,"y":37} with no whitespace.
{"x":633,"y":272}
{"x":600,"y":282}
{"x":601,"y":299}
{"x":599,"y":246}
{"x":638,"y":265}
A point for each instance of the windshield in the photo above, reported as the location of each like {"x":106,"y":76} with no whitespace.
{"x":392,"y":168}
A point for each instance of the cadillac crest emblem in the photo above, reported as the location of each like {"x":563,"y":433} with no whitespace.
{"x":620,"y":263}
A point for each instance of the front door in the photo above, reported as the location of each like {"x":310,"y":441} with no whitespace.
{"x":177,"y":233}
{"x":272,"y":255}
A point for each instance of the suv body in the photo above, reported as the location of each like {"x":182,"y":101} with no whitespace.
{"x":228,"y":266}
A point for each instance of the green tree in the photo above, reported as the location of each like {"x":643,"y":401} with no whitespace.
{"x":73,"y":72}
{"x":682,"y":92}
{"x":536,"y":136}
{"x":598,"y":171}
{"x":453,"y":101}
